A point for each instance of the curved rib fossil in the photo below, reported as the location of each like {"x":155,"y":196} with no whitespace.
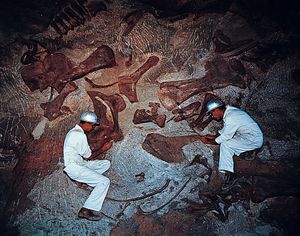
{"x":162,"y":206}
{"x":144,"y":196}
{"x":93,"y":85}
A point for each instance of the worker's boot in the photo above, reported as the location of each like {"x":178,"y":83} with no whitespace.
{"x":228,"y":180}
{"x":88,"y":214}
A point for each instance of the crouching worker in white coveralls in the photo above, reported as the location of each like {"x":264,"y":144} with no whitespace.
{"x":80,"y":166}
{"x":240,"y":133}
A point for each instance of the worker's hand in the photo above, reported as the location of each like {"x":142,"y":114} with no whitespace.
{"x":107,"y":146}
{"x":91,"y":158}
{"x":204,"y":139}
{"x":208,"y":139}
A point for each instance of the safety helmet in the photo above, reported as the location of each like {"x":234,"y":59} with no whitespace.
{"x":213,"y":104}
{"x":90,"y":117}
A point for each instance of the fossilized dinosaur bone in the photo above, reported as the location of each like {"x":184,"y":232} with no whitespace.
{"x":131,"y":20}
{"x":107,"y":108}
{"x":257,"y":180}
{"x":56,"y":70}
{"x":102,"y":57}
{"x":140,"y":210}
{"x":144,"y":196}
{"x":198,"y":159}
{"x":180,"y":113}
{"x":53,"y":108}
{"x":127,"y":84}
{"x":45,"y":72}
{"x":220,"y":74}
{"x":75,"y":14}
{"x":93,"y":85}
{"x":168,"y":149}
{"x":144,"y":116}
{"x":37,"y":49}
{"x":269,"y":184}
{"x":199,"y":123}
{"x":202,"y":208}
{"x":224,"y":45}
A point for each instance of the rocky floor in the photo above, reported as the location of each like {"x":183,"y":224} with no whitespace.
{"x":234,"y":50}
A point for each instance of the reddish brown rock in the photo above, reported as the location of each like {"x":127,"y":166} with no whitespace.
{"x":44,"y":73}
{"x":107,"y":108}
{"x":127,"y":84}
{"x":38,"y":160}
{"x":180,"y":113}
{"x":56,"y":70}
{"x":199,"y":122}
{"x":148,"y":225}
{"x":220,"y":74}
{"x":53,"y":108}
{"x":144,"y":116}
{"x":168,"y":149}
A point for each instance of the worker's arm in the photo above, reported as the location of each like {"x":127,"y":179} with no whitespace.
{"x":102,"y":149}
{"x":209,"y":139}
{"x":104,"y":143}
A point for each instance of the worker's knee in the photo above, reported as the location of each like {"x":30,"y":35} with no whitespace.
{"x":106,"y":163}
{"x":225,"y":145}
{"x":106,"y":181}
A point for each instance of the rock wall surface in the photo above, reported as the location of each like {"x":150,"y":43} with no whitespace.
{"x":149,"y":71}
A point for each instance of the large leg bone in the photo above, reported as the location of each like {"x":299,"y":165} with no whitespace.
{"x":219,"y":75}
{"x":127,"y":84}
{"x":106,"y":108}
{"x":103,"y":57}
{"x":53,"y":108}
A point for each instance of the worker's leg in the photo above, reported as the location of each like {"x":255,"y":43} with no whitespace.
{"x":100,"y":166}
{"x":100,"y":183}
{"x":97,"y":196}
{"x":235,"y":146}
{"x":226,"y":158}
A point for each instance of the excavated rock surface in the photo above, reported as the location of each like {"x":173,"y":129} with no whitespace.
{"x":159,"y":170}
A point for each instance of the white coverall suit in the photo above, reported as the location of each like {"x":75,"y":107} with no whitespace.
{"x":239,"y":134}
{"x":76,"y":148}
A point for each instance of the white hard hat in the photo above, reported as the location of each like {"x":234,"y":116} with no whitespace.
{"x":213,"y":104}
{"x":90,"y":117}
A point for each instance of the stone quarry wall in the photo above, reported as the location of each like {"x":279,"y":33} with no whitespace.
{"x":147,"y":74}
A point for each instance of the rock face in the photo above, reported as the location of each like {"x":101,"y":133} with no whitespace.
{"x":118,"y":58}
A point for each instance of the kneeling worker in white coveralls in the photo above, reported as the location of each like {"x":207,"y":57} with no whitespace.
{"x":80,"y":167}
{"x":240,"y":133}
